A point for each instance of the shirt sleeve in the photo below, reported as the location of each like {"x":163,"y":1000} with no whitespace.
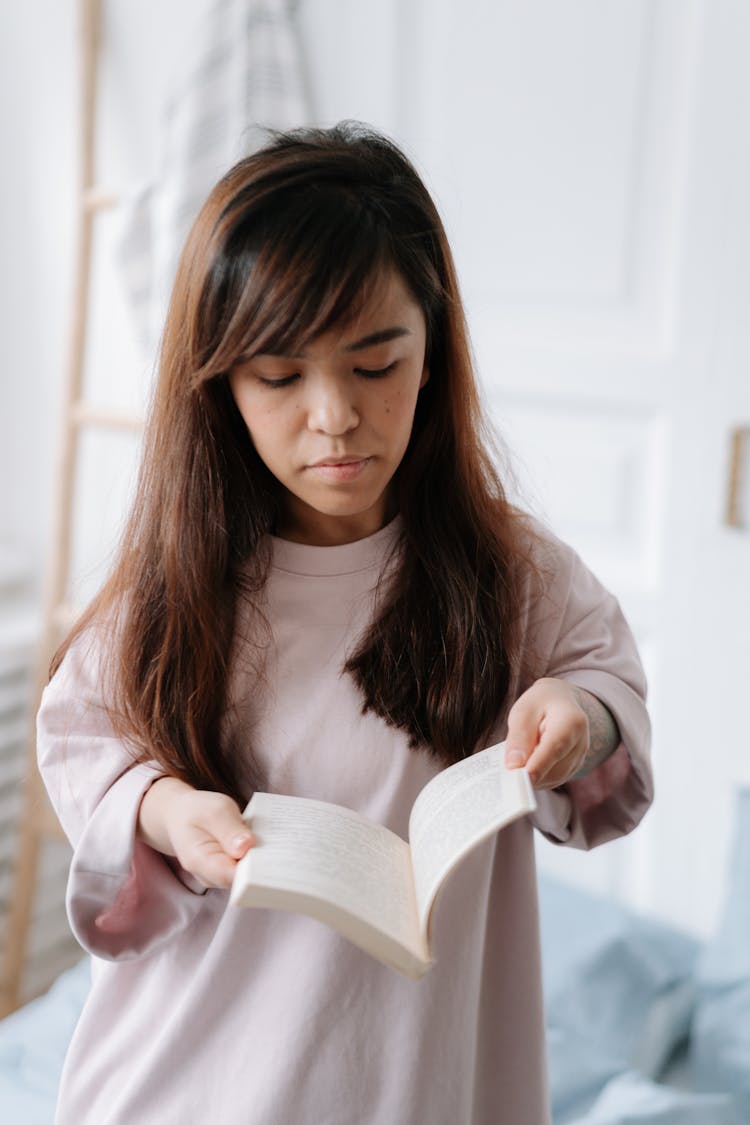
{"x":124,"y":899}
{"x":589,"y":643}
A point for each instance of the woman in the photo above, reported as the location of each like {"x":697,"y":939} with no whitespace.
{"x":322,"y":590}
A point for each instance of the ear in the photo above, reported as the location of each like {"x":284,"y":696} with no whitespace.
{"x":425,"y":376}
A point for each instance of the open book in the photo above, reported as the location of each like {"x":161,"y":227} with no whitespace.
{"x":363,"y":880}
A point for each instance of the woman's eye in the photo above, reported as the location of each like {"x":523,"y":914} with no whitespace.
{"x":376,"y":374}
{"x":285,"y":381}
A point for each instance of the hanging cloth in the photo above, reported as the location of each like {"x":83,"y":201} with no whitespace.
{"x":245,"y":71}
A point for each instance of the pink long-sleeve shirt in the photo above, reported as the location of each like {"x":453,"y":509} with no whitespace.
{"x":204,"y":1013}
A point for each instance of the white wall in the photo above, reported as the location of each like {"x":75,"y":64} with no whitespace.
{"x":587,"y":116}
{"x":38,"y":130}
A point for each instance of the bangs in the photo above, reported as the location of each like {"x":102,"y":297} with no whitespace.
{"x":310,"y":261}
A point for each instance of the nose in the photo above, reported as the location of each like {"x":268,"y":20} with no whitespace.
{"x":332,"y":408}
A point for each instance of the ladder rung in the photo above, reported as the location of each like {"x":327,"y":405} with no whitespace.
{"x":84,"y":414}
{"x":96,"y":199}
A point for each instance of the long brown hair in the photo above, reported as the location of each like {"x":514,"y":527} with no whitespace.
{"x":288,"y":245}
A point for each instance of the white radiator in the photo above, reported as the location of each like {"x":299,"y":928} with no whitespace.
{"x":51,"y":947}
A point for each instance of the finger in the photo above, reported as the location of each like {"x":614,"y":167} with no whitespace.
{"x":229,"y":829}
{"x":565,"y":728}
{"x":563,"y":736}
{"x":202,"y":855}
{"x":241,"y":843}
{"x":560,"y":771}
{"x":215,"y":867}
{"x":523,"y":731}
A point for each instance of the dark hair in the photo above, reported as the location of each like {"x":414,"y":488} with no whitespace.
{"x":288,"y":244}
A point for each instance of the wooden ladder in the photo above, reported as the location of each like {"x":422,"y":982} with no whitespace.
{"x":38,"y":822}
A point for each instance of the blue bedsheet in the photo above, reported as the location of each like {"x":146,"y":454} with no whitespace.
{"x":33,"y":1042}
{"x":622,"y":994}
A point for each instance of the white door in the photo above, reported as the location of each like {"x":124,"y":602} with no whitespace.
{"x":626,"y":422}
{"x":592,"y":162}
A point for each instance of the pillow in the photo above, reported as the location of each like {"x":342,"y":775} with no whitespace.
{"x":631,"y":1099}
{"x":618,"y":980}
{"x":720,"y":1034}
{"x":578,"y":1071}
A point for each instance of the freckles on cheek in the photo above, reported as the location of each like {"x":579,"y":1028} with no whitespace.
{"x":395,"y":403}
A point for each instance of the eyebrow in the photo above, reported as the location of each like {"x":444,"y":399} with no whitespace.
{"x":369,"y":341}
{"x":381,"y":337}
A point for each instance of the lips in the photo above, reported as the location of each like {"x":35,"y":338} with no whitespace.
{"x":350,"y":459}
{"x":341,"y":470}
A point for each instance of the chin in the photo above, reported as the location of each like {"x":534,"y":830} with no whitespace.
{"x":348,"y":508}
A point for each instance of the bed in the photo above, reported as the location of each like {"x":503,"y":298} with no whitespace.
{"x":645,"y":1023}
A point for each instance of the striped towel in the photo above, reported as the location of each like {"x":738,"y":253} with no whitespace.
{"x":245,"y":72}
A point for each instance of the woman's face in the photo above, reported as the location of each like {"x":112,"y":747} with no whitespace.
{"x":332,"y":424}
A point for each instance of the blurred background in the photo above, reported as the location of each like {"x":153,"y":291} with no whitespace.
{"x":591,"y":161}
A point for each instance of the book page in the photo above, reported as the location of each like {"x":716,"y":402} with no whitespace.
{"x":333,"y":854}
{"x":456,"y":810}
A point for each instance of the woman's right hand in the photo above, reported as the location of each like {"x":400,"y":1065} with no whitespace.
{"x":202,"y":829}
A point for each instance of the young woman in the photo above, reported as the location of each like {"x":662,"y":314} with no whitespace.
{"x":322,"y":590}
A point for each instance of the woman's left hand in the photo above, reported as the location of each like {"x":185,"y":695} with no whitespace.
{"x":548,"y":732}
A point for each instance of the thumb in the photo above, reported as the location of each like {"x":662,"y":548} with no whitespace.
{"x":232,"y":832}
{"x":239,"y":841}
{"x":523,"y":730}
